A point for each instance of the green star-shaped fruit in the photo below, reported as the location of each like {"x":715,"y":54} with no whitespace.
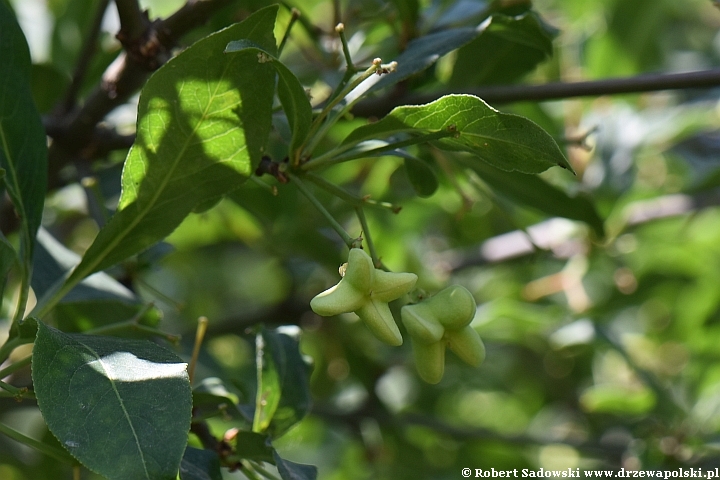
{"x":440,"y":321}
{"x":366,"y":291}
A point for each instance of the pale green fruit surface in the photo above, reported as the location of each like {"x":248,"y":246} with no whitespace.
{"x":379,"y":320}
{"x":454,"y":307}
{"x":467,"y":345}
{"x":429,"y":360}
{"x":421,"y":324}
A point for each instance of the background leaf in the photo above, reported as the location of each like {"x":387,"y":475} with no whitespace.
{"x":294,"y":471}
{"x":424,"y":51}
{"x":534,"y":192}
{"x":121,"y":407}
{"x":23,"y":151}
{"x":96,"y":301}
{"x":282,"y":395}
{"x":508,"y":142}
{"x":198,"y":464}
{"x":203,"y":120}
{"x":506,"y":50}
{"x":7,"y":259}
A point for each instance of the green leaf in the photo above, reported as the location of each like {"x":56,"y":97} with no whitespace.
{"x":203,"y":120}
{"x":506,"y":50}
{"x":422,"y":177}
{"x":617,"y":399}
{"x":508,"y":142}
{"x":422,"y":52}
{"x":48,"y":86}
{"x":283,"y":381}
{"x":296,"y":399}
{"x":268,"y":392}
{"x":534,"y":192}
{"x":7,"y":259}
{"x":23,"y":150}
{"x":52,"y":261}
{"x":121,"y":407}
{"x":254,"y":446}
{"x":291,"y":93}
{"x":294,"y":471}
{"x":200,"y":464}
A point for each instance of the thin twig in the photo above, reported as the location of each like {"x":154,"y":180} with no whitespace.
{"x":378,"y":107}
{"x":86,"y":54}
{"x":132,"y":20}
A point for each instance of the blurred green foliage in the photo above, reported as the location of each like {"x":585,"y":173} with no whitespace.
{"x":602,"y":352}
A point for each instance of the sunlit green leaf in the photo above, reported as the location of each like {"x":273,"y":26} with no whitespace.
{"x":121,"y":407}
{"x":508,"y":142}
{"x":203,"y":119}
{"x":291,"y":93}
{"x":609,"y":398}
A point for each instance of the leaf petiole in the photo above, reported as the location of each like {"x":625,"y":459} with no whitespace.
{"x":346,"y":153}
{"x":48,"y":450}
{"x":343,"y":194}
{"x":316,"y":133}
{"x":15,"y":366}
{"x":295,"y":14}
{"x":349,"y":241}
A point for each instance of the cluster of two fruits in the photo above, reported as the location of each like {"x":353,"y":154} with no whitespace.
{"x":440,"y":321}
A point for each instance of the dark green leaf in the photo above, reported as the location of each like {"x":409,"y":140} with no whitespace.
{"x":7,"y":259}
{"x":424,"y":51}
{"x":98,"y":300}
{"x":506,"y":50}
{"x":48,"y":86}
{"x":269,"y":385}
{"x":296,"y":399}
{"x":409,"y":11}
{"x":121,"y":407}
{"x":294,"y":471}
{"x":459,"y":12}
{"x":212,"y":391}
{"x":254,"y":446}
{"x":536,"y":193}
{"x":200,"y":464}
{"x":211,"y":395}
{"x":23,"y":151}
{"x":508,"y":142}
{"x":291,"y":93}
{"x":203,"y":119}
{"x":51,"y":263}
{"x":421,"y":176}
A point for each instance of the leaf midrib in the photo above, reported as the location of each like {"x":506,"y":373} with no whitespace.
{"x":122,"y":406}
{"x":141,"y":215}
